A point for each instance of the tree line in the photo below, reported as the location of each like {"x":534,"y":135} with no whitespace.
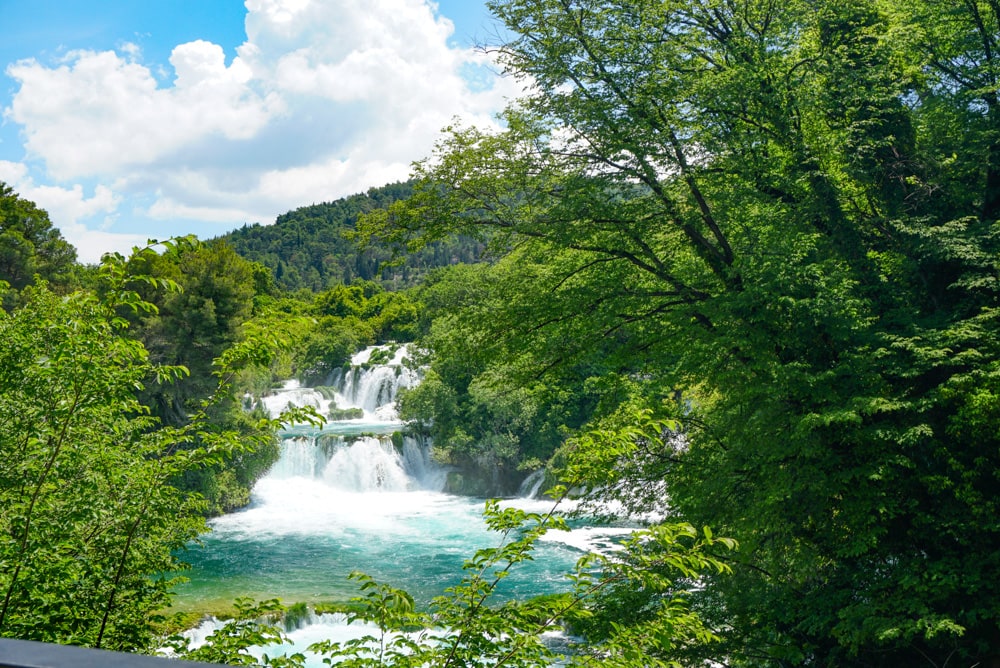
{"x":310,"y":248}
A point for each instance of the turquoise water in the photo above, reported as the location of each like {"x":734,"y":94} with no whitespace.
{"x":344,"y":499}
{"x":301,"y":539}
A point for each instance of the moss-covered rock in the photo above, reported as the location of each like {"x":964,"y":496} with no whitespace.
{"x":345,"y":414}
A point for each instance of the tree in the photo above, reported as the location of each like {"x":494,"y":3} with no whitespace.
{"x":191,"y":327}
{"x":785,"y":213}
{"x":29,"y":245}
{"x":194,"y":325}
{"x":91,"y":524}
{"x":481,"y":400}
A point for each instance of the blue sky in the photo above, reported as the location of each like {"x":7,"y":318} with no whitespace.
{"x":130,"y":120}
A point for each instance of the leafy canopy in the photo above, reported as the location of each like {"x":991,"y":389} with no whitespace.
{"x":784,"y":213}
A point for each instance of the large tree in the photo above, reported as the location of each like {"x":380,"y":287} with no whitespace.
{"x":193,"y":325}
{"x":91,"y":524}
{"x":786,"y":211}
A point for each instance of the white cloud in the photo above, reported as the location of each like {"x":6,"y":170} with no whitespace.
{"x":131,"y":49}
{"x":99,"y":114}
{"x":325,"y":98}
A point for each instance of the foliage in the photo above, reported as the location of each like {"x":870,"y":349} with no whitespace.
{"x":481,"y":399}
{"x":346,"y":319}
{"x":776,"y":221}
{"x":30,"y":246}
{"x":89,"y":520}
{"x":193,"y":325}
{"x":310,"y":247}
{"x":222,"y":301}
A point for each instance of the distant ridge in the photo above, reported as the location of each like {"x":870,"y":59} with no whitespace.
{"x":306,"y":247}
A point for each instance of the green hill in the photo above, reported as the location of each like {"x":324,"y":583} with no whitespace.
{"x":306,"y":248}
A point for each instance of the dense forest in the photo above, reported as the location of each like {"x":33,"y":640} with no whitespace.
{"x":310,"y":247}
{"x":743,"y":283}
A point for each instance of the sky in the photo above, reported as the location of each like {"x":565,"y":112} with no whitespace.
{"x":130,"y":120}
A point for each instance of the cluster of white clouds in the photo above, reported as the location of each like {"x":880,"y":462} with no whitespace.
{"x":324,"y":98}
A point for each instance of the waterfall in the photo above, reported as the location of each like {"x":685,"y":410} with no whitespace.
{"x":370,"y":388}
{"x":291,"y":395}
{"x":355,"y":454}
{"x":354,"y":494}
{"x":373,"y":388}
{"x":359,"y":464}
{"x":532,"y":485}
{"x":300,"y":457}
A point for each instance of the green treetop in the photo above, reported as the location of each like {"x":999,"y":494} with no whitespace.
{"x":785,"y":212}
{"x":30,"y":246}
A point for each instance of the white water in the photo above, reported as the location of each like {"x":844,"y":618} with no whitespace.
{"x":345,"y":498}
{"x":359,"y":464}
{"x":370,"y":387}
{"x":532,"y":485}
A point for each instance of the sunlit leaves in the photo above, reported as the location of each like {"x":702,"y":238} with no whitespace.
{"x":776,"y":223}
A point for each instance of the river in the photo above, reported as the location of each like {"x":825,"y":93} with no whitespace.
{"x":345,"y":498}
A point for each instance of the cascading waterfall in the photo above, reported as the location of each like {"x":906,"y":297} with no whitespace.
{"x":361,"y":464}
{"x":355,"y":454}
{"x":532,"y":485}
{"x":355,"y":496}
{"x":371,"y":390}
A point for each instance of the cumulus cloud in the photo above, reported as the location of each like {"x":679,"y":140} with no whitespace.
{"x":100,"y":114}
{"x":323,"y":99}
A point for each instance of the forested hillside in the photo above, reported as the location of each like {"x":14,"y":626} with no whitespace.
{"x":309,"y":247}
